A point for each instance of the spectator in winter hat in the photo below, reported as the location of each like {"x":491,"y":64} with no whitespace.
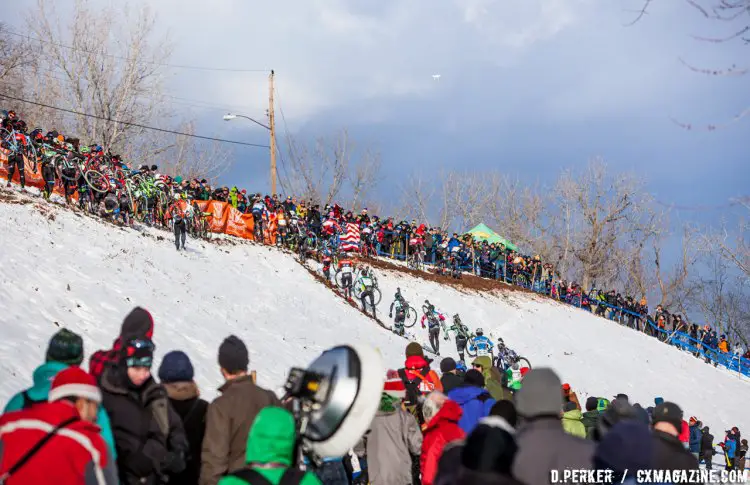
{"x":149,"y":435}
{"x":569,"y":395}
{"x":138,"y":323}
{"x":493,"y":379}
{"x":474,"y":400}
{"x":590,"y":416}
{"x":65,"y":348}
{"x":618,"y":410}
{"x":80,"y":455}
{"x":543,"y":445}
{"x":231,"y":415}
{"x":394,"y":436}
{"x":488,"y":454}
{"x":571,"y":420}
{"x":176,"y":375}
{"x":450,"y":378}
{"x":626,"y":449}
{"x":669,"y":452}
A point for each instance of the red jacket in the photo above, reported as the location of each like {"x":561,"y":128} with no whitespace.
{"x":76,"y":455}
{"x":441,"y":430}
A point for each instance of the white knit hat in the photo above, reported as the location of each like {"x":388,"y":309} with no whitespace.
{"x":74,"y":382}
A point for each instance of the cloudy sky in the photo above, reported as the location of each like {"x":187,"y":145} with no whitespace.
{"x":528,"y":87}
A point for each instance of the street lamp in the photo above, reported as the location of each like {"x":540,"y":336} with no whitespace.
{"x":230,"y":117}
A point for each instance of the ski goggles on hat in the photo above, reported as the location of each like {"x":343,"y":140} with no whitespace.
{"x":139,"y":353}
{"x":139,"y":362}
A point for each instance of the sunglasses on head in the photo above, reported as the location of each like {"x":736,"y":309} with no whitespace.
{"x":139,"y":362}
{"x":477,"y":366}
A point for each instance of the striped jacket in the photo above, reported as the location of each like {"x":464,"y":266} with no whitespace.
{"x":76,"y":455}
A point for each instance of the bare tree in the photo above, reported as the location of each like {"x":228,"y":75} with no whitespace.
{"x":674,"y":283}
{"x":465,"y":199}
{"x":606,"y":210}
{"x":14,"y":57}
{"x":108,"y":64}
{"x":417,"y":197}
{"x":190,"y":159}
{"x":364,"y":177}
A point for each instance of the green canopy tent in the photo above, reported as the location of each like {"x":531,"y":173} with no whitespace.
{"x":483,"y":233}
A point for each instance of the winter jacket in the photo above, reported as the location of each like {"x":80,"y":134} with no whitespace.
{"x":394,"y":436}
{"x":589,"y":419}
{"x":450,"y":381}
{"x":184,"y":398}
{"x":442,"y":429}
{"x":101,"y":359}
{"x":670,"y":453}
{"x":707,"y":444}
{"x":493,"y":379}
{"x":148,"y":432}
{"x":695,"y":438}
{"x":475,"y":404}
{"x":730,"y":446}
{"x":571,"y":422}
{"x":543,"y":445}
{"x":233,"y":197}
{"x":43,"y":376}
{"x":270,"y":441}
{"x":77,"y":454}
{"x":228,"y":422}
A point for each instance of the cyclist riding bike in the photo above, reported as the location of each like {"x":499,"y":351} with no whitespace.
{"x":481,"y":344}
{"x":434,"y":322}
{"x":400,"y":305}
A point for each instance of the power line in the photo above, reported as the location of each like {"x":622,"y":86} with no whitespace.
{"x":127,"y":123}
{"x":179,"y":66}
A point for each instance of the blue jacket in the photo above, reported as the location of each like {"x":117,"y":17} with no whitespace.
{"x":452,"y":243}
{"x":43,"y":376}
{"x":475,"y":403}
{"x":695,"y":439}
{"x":730,"y":445}
{"x":481,"y":342}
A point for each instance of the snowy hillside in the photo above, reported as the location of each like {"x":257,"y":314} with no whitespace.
{"x":85,"y":275}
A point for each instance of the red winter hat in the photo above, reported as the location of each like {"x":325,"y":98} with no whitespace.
{"x":566,"y":387}
{"x":74,"y":382}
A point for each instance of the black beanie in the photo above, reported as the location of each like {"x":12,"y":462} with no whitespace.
{"x":65,"y":347}
{"x":138,"y":323}
{"x":591,"y":403}
{"x":447,"y":365}
{"x":474,"y":378}
{"x":233,"y":356}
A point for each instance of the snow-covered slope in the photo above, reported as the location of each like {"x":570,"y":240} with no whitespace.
{"x":85,"y":275}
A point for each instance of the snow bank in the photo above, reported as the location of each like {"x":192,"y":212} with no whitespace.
{"x":86,"y":275}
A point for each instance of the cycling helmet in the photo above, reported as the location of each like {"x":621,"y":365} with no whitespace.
{"x":85,"y":150}
{"x":154,"y":168}
{"x":479,"y":332}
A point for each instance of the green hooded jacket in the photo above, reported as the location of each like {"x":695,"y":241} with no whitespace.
{"x":43,"y":376}
{"x":271,"y":440}
{"x":571,"y":422}
{"x":493,"y":379}
{"x":233,"y":196}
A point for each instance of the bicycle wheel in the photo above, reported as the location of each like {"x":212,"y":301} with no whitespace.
{"x":97,"y":181}
{"x":411,"y":317}
{"x":472,"y":353}
{"x":338,"y":279}
{"x":376,"y":296}
{"x":523,"y":362}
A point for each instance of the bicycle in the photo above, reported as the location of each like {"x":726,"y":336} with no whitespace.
{"x":509,"y":359}
{"x":416,"y":260}
{"x":376,"y":294}
{"x":410,"y":318}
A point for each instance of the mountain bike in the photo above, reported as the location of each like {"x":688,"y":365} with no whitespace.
{"x":508,"y":359}
{"x":376,"y":294}
{"x":410,"y":314}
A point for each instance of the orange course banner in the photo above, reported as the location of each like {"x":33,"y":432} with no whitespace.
{"x":224,"y":219}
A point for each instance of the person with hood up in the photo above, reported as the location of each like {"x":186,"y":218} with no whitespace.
{"x":393,"y":437}
{"x":149,"y":436}
{"x":269,"y":455}
{"x":590,"y":416}
{"x":415,"y":379}
{"x":65,"y":349}
{"x":230,"y":416}
{"x":57,"y":442}
{"x":474,"y":400}
{"x":493,"y":378}
{"x":543,"y":444}
{"x":669,"y":452}
{"x":572,"y":420}
{"x":695,"y":436}
{"x":707,"y":448}
{"x":233,"y":196}
{"x":450,"y":378}
{"x":488,"y":454}
{"x":618,"y":410}
{"x":176,"y":375}
{"x":138,"y":323}
{"x":441,"y":416}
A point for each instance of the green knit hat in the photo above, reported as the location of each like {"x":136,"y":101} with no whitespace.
{"x":65,"y":347}
{"x":387,"y":403}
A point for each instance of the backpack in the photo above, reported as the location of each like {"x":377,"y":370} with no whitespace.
{"x":291,"y":476}
{"x":412,"y":402}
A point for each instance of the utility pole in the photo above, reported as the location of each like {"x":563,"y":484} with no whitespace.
{"x":272,"y":125}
